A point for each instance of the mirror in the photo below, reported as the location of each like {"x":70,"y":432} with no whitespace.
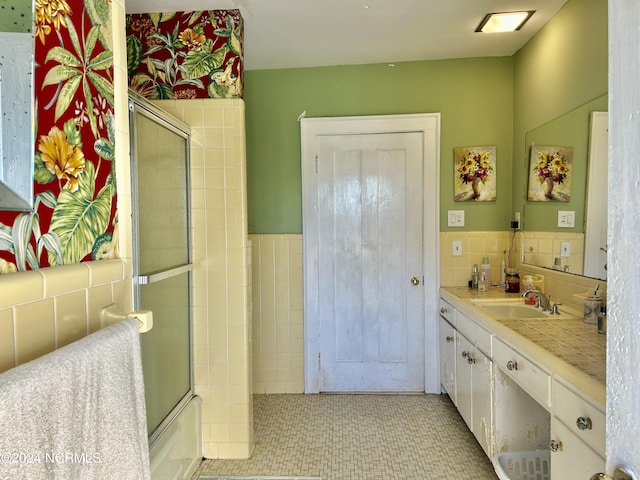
{"x":16,"y":107}
{"x":544,"y":244}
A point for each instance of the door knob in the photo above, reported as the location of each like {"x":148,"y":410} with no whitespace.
{"x":621,"y":473}
{"x":415,"y":281}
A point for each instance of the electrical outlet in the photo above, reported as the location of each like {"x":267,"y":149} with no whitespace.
{"x":517,"y":219}
{"x":457,"y":248}
{"x":565,"y":249}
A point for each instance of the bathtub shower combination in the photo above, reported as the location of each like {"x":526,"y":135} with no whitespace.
{"x":162,"y":282}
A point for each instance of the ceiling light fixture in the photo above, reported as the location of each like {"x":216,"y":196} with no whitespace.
{"x":504,"y":21}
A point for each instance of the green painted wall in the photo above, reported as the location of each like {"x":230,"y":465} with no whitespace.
{"x":560,"y":75}
{"x":483,"y":101}
{"x":474,"y":97}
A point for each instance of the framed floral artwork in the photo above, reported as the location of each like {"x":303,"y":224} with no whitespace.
{"x":550,"y":174}
{"x":475,"y":174}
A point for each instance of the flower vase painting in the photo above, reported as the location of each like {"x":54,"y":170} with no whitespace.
{"x":475,"y":174}
{"x":550,"y":174}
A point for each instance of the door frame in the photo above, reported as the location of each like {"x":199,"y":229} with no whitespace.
{"x":428,"y":124}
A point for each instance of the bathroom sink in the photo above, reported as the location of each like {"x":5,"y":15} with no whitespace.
{"x":512,"y":311}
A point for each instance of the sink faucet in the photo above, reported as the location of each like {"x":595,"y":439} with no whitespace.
{"x":542,"y":299}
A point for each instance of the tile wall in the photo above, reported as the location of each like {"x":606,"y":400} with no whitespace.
{"x":456,"y":270}
{"x":278,"y":361}
{"x":278,"y":332}
{"x":46,"y":309}
{"x":222,"y":275}
{"x":541,"y":248}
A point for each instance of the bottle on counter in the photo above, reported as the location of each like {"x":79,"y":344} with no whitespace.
{"x":474,"y":277}
{"x":485,"y":269}
{"x":482,"y":283}
{"x":602,"y":320}
{"x":512,"y":281}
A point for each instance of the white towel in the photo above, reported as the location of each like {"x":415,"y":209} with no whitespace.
{"x":77,"y":412}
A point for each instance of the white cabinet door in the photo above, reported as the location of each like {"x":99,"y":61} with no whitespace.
{"x":463,"y":378}
{"x":447,"y":340}
{"x":473,"y":385}
{"x":573,"y":458}
{"x":481,"y":400}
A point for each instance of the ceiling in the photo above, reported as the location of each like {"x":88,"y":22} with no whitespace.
{"x":308,"y":33}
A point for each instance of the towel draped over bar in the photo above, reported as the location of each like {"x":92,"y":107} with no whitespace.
{"x":78,"y":412}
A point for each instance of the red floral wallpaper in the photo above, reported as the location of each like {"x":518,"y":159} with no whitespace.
{"x":74,"y":217}
{"x":185,"y":55}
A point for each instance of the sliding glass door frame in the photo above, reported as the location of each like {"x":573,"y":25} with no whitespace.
{"x":140,"y":106}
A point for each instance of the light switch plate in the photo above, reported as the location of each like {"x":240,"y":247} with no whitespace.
{"x":565,"y":249}
{"x":566,"y":218}
{"x":455,"y":218}
{"x":457,"y":248}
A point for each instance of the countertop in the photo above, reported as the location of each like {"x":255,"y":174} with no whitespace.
{"x":566,"y":346}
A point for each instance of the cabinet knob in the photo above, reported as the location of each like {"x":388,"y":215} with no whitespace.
{"x":471,"y":360}
{"x":511,"y":365}
{"x":555,"y":446}
{"x":449,"y":339}
{"x":584,"y":423}
{"x":465,"y":354}
{"x":444,"y":310}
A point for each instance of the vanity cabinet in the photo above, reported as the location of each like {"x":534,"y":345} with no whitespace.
{"x":510,"y":401}
{"x":473,"y":379}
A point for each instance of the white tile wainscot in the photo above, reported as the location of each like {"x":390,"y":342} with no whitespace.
{"x":547,"y":380}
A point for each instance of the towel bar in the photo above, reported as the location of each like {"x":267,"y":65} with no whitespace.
{"x":111,"y":314}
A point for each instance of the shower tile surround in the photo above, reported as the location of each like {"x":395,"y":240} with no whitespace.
{"x":222,"y":275}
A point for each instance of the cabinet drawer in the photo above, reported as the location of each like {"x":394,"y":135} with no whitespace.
{"x":477,"y":335}
{"x":446,"y":311}
{"x":569,"y":407}
{"x":533,"y":379}
{"x":572,"y":458}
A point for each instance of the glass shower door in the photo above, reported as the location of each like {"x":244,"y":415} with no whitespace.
{"x":162,"y":264}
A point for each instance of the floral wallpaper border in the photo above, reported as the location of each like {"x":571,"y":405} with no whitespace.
{"x":74,"y":217}
{"x":170,"y":55}
{"x":186,"y":55}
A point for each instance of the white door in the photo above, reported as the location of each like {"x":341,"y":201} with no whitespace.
{"x":364,"y":262}
{"x":370,"y":247}
{"x":623,"y":308}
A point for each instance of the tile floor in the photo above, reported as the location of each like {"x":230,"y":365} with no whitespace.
{"x":359,"y":437}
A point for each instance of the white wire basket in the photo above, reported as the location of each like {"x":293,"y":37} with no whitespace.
{"x":532,"y":465}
